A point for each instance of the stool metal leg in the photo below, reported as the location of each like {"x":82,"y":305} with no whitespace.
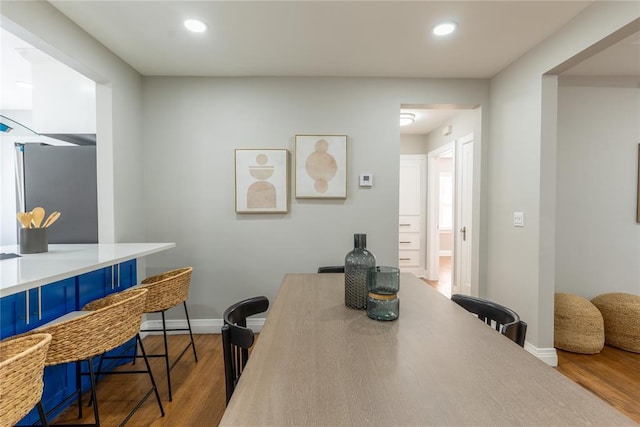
{"x":92,"y":378}
{"x":43,"y":416}
{"x":166,"y":355}
{"x":79,"y":388}
{"x":193,"y":344}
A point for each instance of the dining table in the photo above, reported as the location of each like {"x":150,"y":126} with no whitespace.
{"x":318,"y":362}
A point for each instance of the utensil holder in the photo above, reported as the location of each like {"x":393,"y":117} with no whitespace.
{"x":33,"y":240}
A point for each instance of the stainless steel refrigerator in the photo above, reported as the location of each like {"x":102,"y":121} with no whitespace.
{"x":63,"y":179}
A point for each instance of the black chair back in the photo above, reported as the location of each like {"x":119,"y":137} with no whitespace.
{"x":331,"y":269}
{"x":237,"y":339}
{"x":502,"y":318}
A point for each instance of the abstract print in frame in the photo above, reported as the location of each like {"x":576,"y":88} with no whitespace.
{"x":262,"y":177}
{"x":321,"y":166}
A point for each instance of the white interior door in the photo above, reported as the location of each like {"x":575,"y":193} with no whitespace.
{"x":464,"y":215}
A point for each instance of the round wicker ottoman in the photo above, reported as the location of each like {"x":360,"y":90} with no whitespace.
{"x":621,"y":313}
{"x":578,"y":325}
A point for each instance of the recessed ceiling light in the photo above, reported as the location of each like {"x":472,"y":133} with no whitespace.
{"x":444,"y":28}
{"x":24,"y":84}
{"x":195,"y":25}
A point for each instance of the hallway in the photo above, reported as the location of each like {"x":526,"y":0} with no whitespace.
{"x":443,"y":284}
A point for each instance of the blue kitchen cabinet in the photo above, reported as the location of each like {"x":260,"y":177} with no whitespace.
{"x":127,"y":274}
{"x":13,"y":315}
{"x":94,"y":285}
{"x":100,"y":283}
{"x":56,"y":299}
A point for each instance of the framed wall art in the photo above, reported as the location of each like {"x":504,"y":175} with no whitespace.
{"x":262,"y":177}
{"x":321,"y":166}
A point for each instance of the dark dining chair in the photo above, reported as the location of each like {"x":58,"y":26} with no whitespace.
{"x":503,"y":319}
{"x":237,"y":339}
{"x":331,"y":269}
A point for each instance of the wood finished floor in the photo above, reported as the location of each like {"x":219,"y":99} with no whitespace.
{"x":443,"y":284}
{"x":199,"y":395}
{"x":612,"y":374}
{"x":198,"y":389}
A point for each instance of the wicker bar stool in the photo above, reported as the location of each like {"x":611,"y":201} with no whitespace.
{"x":103,"y":325}
{"x":167,"y":290}
{"x":21,"y":369}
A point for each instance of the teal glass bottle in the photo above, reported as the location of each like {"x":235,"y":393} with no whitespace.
{"x":356,"y":264}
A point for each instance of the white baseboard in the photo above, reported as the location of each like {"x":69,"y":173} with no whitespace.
{"x":212,"y":326}
{"x":547,"y":355}
{"x":198,"y":326}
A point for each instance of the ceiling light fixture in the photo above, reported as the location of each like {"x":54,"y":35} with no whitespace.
{"x":24,"y":84}
{"x":407,"y":119}
{"x":195,"y":25}
{"x":444,"y":28}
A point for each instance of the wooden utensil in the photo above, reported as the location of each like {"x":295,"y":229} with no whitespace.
{"x":38,"y":216}
{"x":52,"y":218}
{"x":25,"y":218}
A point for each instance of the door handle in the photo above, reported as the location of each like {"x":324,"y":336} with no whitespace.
{"x":463,"y":230}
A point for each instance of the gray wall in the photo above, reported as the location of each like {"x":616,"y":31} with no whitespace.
{"x":462,"y":124}
{"x":598,"y":238}
{"x":520,"y":169}
{"x":413,"y":144}
{"x":192,"y":126}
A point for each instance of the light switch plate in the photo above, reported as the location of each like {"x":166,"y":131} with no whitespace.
{"x":366,"y":180}
{"x":518,"y":219}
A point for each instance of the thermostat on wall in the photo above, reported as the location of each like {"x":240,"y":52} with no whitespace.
{"x":366,"y":180}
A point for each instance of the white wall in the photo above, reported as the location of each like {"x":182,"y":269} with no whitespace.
{"x":118,"y":98}
{"x":191,"y":127}
{"x":519,"y":162}
{"x":64,"y":101}
{"x":598,"y":238}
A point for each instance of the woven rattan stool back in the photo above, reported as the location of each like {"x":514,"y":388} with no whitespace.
{"x":167,"y":290}
{"x":21,"y":367}
{"x":113,"y":321}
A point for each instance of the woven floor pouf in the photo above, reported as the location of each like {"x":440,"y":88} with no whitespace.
{"x":621,"y":313}
{"x":578,"y":325}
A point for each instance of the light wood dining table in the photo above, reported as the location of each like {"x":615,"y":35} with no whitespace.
{"x":317,"y":362}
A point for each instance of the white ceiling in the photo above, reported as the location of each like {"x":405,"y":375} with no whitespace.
{"x":320,"y":38}
{"x":336,"y":38}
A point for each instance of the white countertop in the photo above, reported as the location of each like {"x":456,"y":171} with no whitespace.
{"x":63,"y":261}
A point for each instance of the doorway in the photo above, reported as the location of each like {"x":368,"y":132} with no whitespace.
{"x":440,"y":208}
{"x":450,"y":216}
{"x":444,"y":134}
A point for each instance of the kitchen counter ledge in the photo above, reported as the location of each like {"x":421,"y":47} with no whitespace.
{"x":63,"y":261}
